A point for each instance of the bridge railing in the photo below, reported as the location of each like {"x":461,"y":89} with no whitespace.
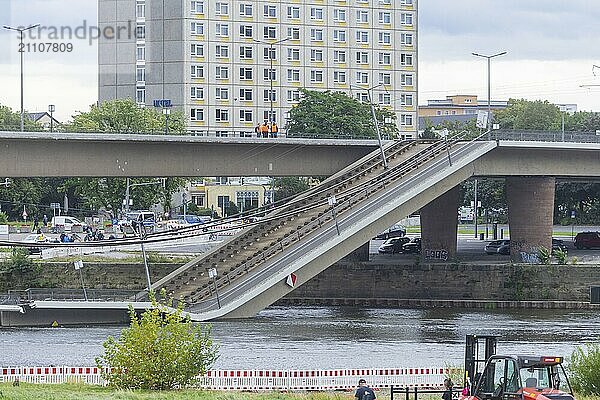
{"x":545,"y":136}
{"x":43,"y":294}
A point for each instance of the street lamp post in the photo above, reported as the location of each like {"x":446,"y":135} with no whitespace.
{"x":167,"y":112}
{"x":51,"y":109}
{"x":374,"y":115}
{"x":271,"y":75}
{"x":489,"y":64}
{"x":22,"y":51}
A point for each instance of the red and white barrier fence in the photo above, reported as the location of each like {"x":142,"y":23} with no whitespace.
{"x":255,"y":380}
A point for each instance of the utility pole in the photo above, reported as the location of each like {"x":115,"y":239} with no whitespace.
{"x":51,"y":109}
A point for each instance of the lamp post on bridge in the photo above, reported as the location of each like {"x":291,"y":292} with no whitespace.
{"x":375,"y":122}
{"x":489,"y":105}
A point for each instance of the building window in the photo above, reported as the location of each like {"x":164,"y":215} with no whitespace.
{"x":385,"y":58}
{"x":245,"y":52}
{"x":293,"y":75}
{"x":406,"y":39}
{"x":339,"y":56}
{"x":199,"y":200}
{"x":222,"y":51}
{"x":269,"y":95}
{"x":362,"y":97}
{"x":362,"y":77}
{"x":269,"y":53}
{"x":339,"y":76}
{"x":362,"y":37}
{"x":197,"y":71}
{"x":385,"y":78}
{"x":294,"y":33}
{"x":269,"y":32}
{"x":221,"y":93}
{"x":197,"y":28}
{"x":406,"y":19}
{"x":245,"y":94}
{"x":140,"y":10}
{"x":406,"y":2}
{"x":140,"y":74}
{"x":270,"y":116}
{"x":339,"y":35}
{"x":246,"y":116}
{"x":221,"y":8}
{"x":293,"y":96}
{"x":197,"y":7}
{"x":246,"y":31}
{"x":316,"y":55}
{"x":316,"y":76}
{"x":140,"y":53}
{"x":270,"y":11}
{"x":247,"y":200}
{"x":385,"y":38}
{"x":293,"y":12}
{"x":385,"y":17}
{"x":385,"y":99}
{"x":406,"y":120}
{"x":406,"y":79}
{"x":221,"y":115}
{"x":406,"y":59}
{"x":140,"y":95}
{"x":316,"y":35}
{"x":140,"y":32}
{"x":269,"y":74}
{"x":293,"y":54}
{"x":362,"y":57}
{"x":316,"y":13}
{"x":197,"y":50}
{"x":197,"y":114}
{"x":246,"y":74}
{"x":339,"y":15}
{"x":221,"y":72}
{"x":197,"y":93}
{"x":246,"y":10}
{"x":222,"y":30}
{"x":362,"y":16}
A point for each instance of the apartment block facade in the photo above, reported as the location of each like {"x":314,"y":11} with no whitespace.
{"x":230,"y":64}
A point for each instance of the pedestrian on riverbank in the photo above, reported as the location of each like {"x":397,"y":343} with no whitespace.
{"x":45,"y":220}
{"x":448,"y":389}
{"x":364,"y":392}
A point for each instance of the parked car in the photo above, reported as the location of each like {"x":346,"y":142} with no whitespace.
{"x":587,"y":240}
{"x":133,"y":218}
{"x":493,"y":246}
{"x":34,"y":238}
{"x":66,"y":222}
{"x":394,"y":231}
{"x":393,"y":245}
{"x":558,"y":244}
{"x":412,"y":247}
{"x":504,"y":249}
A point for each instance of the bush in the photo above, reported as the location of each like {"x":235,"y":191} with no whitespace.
{"x":18,"y":262}
{"x":544,"y":255}
{"x":561,"y":256}
{"x":585,"y":369}
{"x":3,"y":218}
{"x":160,"y":350}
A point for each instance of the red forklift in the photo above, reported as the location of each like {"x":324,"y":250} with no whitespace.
{"x":493,"y":377}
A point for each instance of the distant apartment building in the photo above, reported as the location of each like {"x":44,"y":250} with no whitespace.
{"x":230,"y":64}
{"x":456,"y":108}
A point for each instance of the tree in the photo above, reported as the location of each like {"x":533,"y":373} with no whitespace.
{"x":125,"y":116}
{"x":11,"y":121}
{"x":531,"y":115}
{"x":162,"y":349}
{"x":334,"y":114}
{"x":288,"y":187}
{"x":585,"y":369}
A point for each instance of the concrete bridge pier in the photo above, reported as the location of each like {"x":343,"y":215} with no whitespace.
{"x":530,"y":215}
{"x":439,"y":223}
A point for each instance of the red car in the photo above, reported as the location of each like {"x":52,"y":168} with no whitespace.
{"x":587,"y":240}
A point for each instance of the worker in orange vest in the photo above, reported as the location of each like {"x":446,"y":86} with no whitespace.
{"x":274,"y":130}
{"x":264,"y":130}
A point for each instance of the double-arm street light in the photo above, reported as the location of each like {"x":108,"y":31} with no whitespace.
{"x":22,"y":51}
{"x":489,"y":62}
{"x":271,"y":45}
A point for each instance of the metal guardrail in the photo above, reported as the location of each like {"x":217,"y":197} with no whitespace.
{"x":545,"y":136}
{"x":43,"y":294}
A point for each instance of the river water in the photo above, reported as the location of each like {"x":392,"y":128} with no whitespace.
{"x":334,"y":337}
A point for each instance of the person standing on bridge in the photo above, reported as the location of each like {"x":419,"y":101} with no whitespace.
{"x":364,"y":392}
{"x":448,"y":389}
{"x":264,"y":129}
{"x":274,"y":130}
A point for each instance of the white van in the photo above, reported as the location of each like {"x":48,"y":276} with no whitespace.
{"x":67,"y":222}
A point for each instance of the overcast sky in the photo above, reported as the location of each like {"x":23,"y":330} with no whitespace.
{"x":551,"y":44}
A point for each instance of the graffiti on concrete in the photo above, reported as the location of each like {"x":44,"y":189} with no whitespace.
{"x":530,"y":258}
{"x":441,"y":255}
